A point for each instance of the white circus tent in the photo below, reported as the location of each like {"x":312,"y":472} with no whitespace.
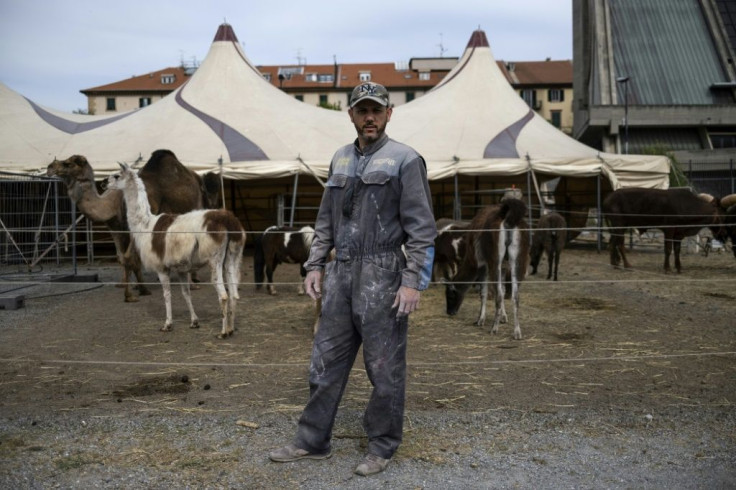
{"x":471,"y":123}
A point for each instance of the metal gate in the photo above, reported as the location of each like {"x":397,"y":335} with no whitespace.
{"x":39,"y":224}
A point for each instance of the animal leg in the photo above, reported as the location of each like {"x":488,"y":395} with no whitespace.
{"x":557,"y":263}
{"x":483,"y":304}
{"x":667,"y":252}
{"x":677,"y":245}
{"x":550,"y":260}
{"x":513,"y":253}
{"x":185,"y":282}
{"x":269,"y":280}
{"x":163,"y":277}
{"x":515,"y":302}
{"x":130,"y":297}
{"x":500,"y":313}
{"x":622,"y":249}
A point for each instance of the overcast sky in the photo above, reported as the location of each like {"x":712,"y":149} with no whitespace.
{"x":50,"y":50}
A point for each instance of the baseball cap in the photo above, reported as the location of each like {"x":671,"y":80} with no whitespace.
{"x":369,"y":90}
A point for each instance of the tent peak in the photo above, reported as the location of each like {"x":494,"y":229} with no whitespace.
{"x":478,"y":40}
{"x":225,"y":33}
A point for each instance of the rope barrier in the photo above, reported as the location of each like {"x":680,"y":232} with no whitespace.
{"x":303,"y":363}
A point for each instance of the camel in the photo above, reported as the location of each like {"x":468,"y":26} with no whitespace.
{"x":171,"y":187}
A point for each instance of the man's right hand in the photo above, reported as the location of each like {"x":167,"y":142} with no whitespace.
{"x":313,"y":283}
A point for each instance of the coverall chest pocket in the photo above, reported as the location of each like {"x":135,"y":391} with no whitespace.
{"x":379,"y":191}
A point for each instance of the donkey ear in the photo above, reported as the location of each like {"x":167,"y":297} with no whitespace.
{"x":123,"y":166}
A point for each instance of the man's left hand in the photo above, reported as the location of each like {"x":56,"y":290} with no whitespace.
{"x":407,"y":299}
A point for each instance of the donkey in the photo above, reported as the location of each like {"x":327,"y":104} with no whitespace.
{"x":496,"y":234}
{"x":281,"y":244}
{"x":550,"y":237}
{"x":183,"y":243}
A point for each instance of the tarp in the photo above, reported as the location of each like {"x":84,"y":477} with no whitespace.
{"x":227,"y":116}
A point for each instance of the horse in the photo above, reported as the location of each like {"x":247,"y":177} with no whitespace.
{"x":281,"y":244}
{"x":182,"y":243}
{"x":497,"y":234}
{"x":550,"y":237}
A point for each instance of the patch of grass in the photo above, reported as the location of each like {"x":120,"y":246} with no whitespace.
{"x":10,"y":445}
{"x":75,"y":461}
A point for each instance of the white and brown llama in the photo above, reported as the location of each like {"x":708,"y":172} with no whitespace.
{"x":182,"y":243}
{"x":498,"y":235}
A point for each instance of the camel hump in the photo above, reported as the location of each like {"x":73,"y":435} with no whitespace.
{"x":159,"y":160}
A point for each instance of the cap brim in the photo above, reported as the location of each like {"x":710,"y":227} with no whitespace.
{"x":370,"y":97}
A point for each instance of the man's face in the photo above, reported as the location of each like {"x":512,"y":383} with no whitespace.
{"x":370,"y":119}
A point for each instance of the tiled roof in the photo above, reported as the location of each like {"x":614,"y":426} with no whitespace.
{"x":557,"y":72}
{"x":150,"y":82}
{"x":347,"y":75}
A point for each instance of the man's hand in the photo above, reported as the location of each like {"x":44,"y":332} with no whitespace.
{"x":407,"y":299}
{"x":313,"y":283}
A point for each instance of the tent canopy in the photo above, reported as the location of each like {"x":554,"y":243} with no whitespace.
{"x":471,"y":123}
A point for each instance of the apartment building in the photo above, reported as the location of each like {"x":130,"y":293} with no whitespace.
{"x":545,"y":85}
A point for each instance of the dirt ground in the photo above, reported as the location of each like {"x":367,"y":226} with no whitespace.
{"x":611,"y":354}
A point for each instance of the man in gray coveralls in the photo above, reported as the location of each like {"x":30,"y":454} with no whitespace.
{"x":376,"y":201}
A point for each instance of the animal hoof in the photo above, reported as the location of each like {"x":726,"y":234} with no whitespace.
{"x":167,"y":328}
{"x":194,"y":325}
{"x":224,"y":335}
{"x":131,"y":299}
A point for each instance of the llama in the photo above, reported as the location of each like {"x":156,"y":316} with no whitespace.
{"x":171,"y":188}
{"x":449,"y":248}
{"x":497,"y":234}
{"x":550,"y":237}
{"x":183,"y":243}
{"x":281,"y":244}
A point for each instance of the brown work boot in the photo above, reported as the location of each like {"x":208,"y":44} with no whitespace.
{"x":292,"y":453}
{"x":371,"y":465}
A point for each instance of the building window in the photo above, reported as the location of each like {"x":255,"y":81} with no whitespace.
{"x":530,"y":97}
{"x":111,"y":104}
{"x":723,"y":140}
{"x":556,"y":95}
{"x":365,"y":77}
{"x":266,"y":76}
{"x":410,"y":96}
{"x":168,"y":79}
{"x":310,"y":77}
{"x":299,"y":97}
{"x":288,"y":71}
{"x":322,"y":99}
{"x":325,"y":78}
{"x":424,"y":75}
{"x":556,"y":119}
{"x":144,"y":101}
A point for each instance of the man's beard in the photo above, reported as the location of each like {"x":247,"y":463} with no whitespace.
{"x":374,"y":136}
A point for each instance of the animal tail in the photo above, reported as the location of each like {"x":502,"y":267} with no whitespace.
{"x":259,"y":260}
{"x":512,"y":212}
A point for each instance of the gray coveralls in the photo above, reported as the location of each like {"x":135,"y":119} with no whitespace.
{"x":375,"y":202}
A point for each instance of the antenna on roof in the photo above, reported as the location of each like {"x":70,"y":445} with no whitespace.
{"x":442,"y":47}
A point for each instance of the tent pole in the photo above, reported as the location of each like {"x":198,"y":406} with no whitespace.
{"x":222,"y":182}
{"x":311,"y":171}
{"x":456,"y":214}
{"x":599,"y":217}
{"x":536,"y":187}
{"x":293,"y":199}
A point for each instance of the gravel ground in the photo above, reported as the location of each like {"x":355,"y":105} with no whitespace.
{"x":625,"y":382}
